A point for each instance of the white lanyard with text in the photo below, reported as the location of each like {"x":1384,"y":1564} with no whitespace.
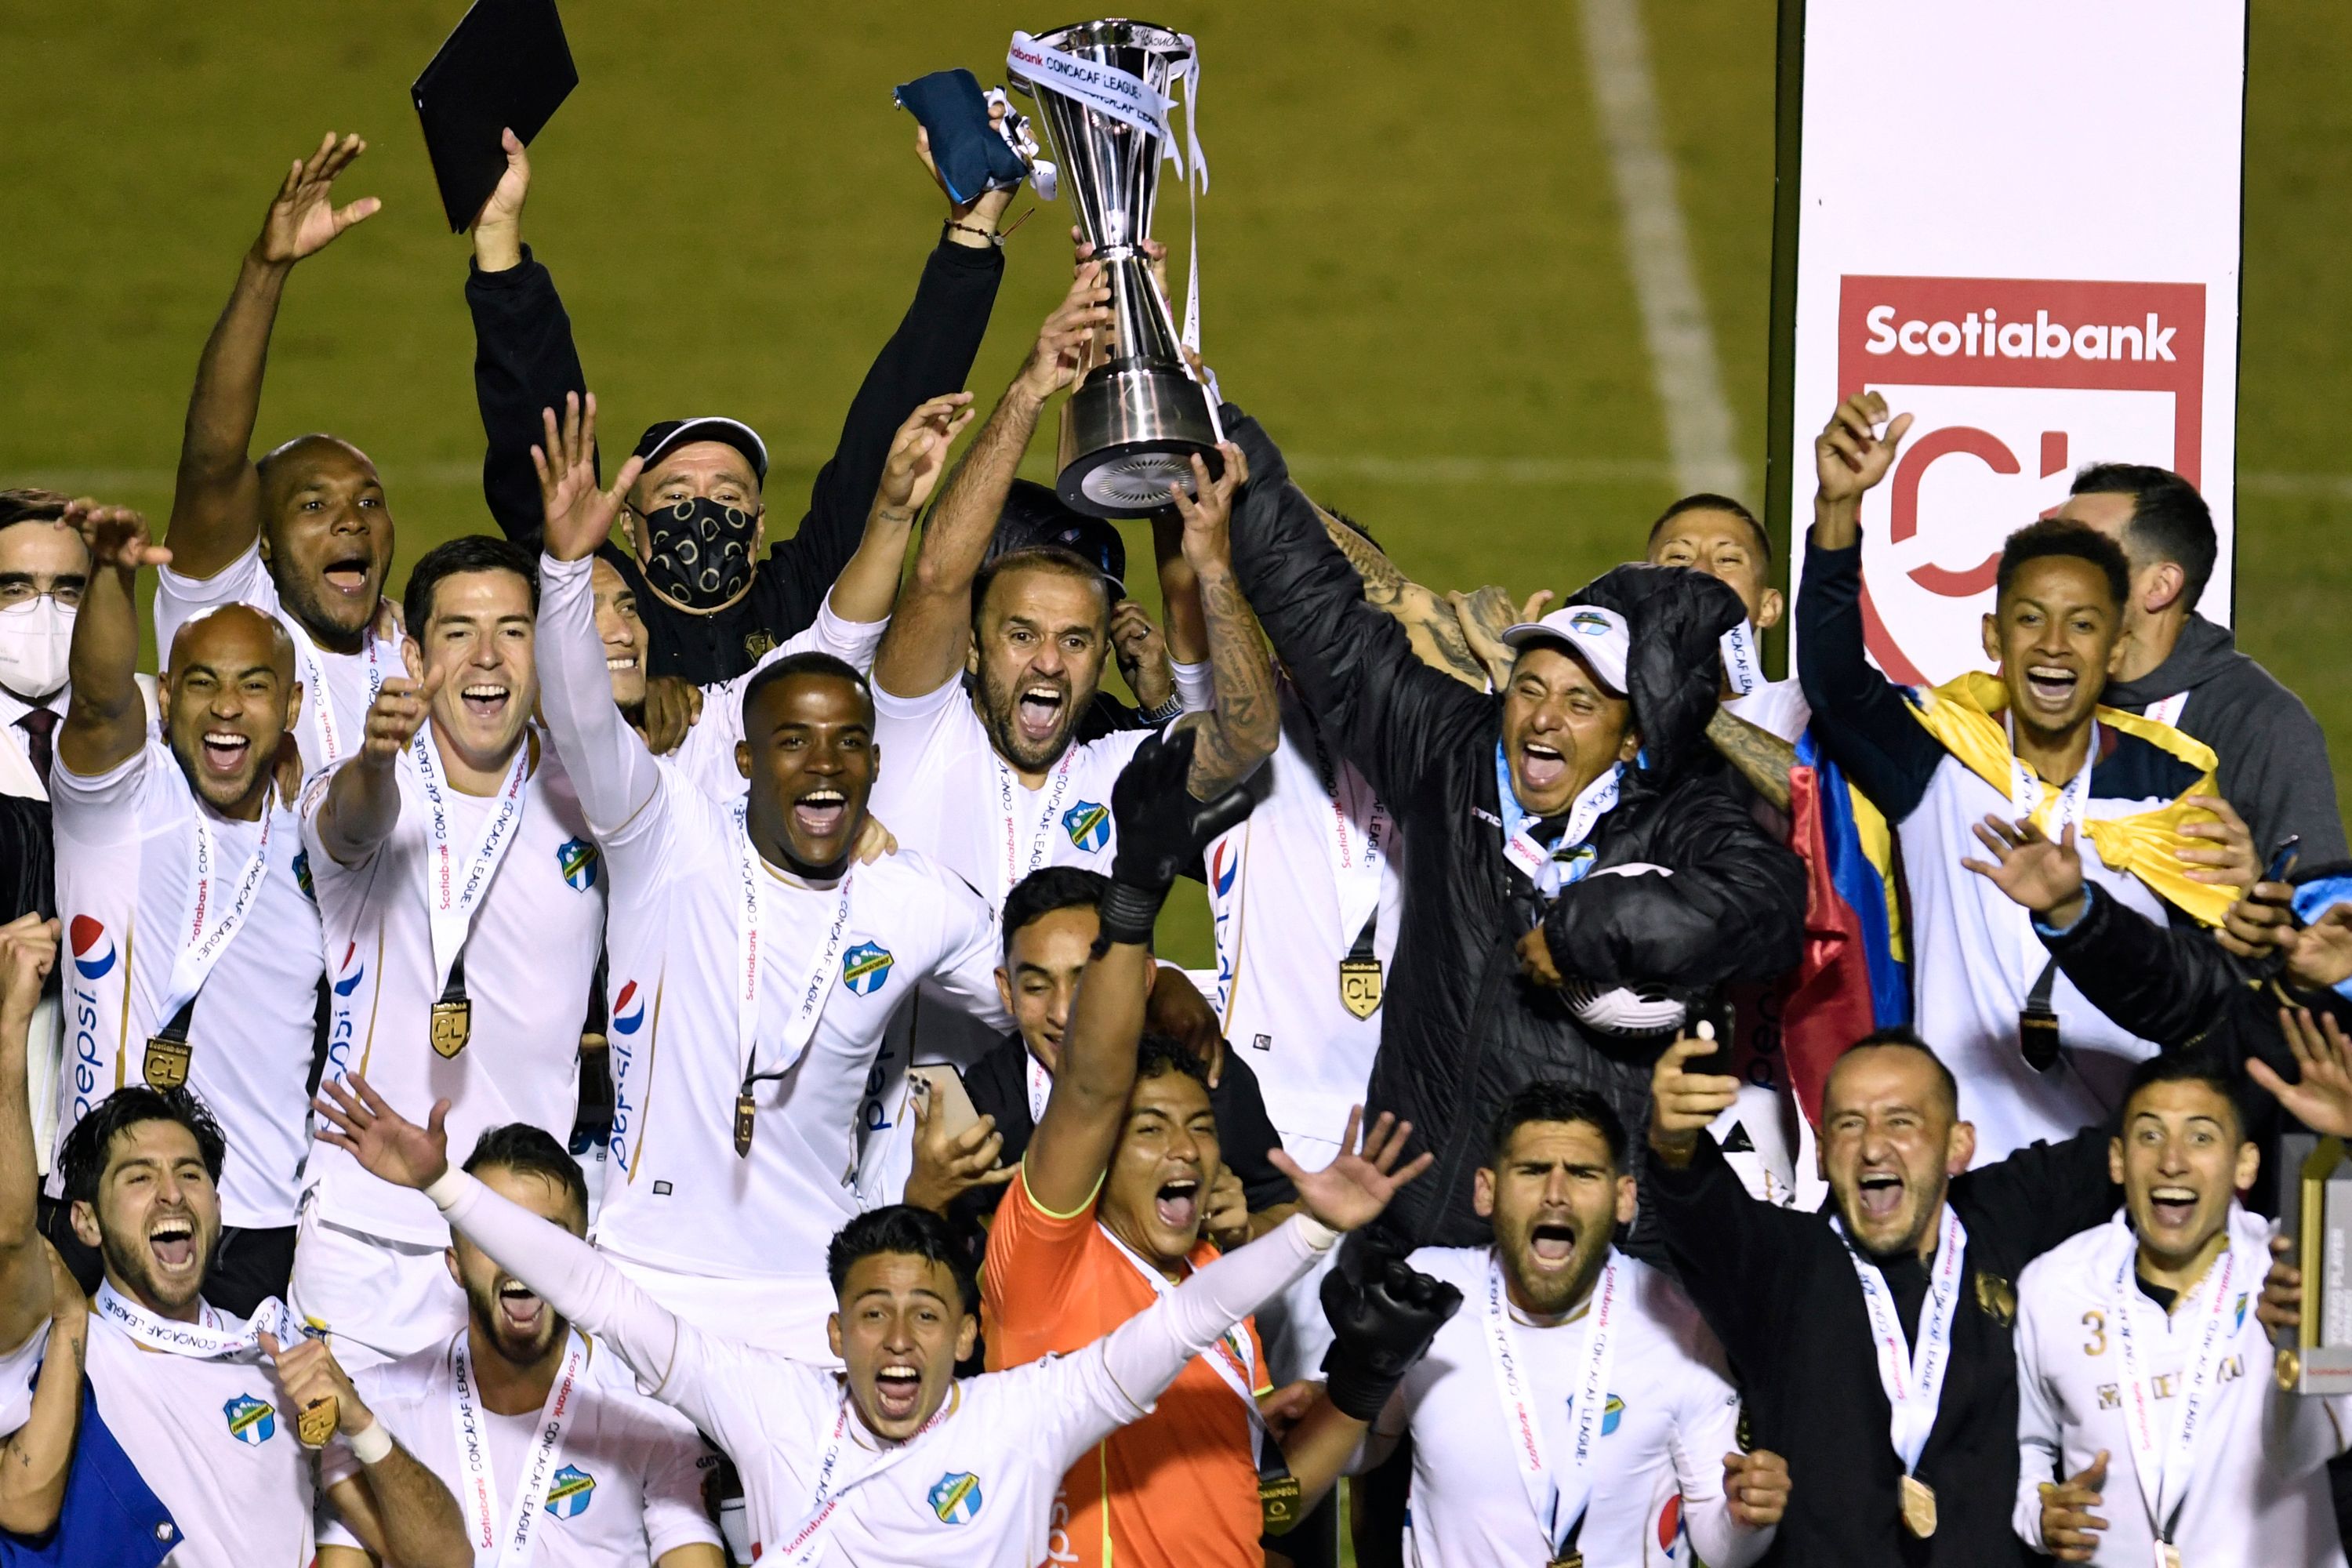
{"x":213,"y":922}
{"x":2030,"y":797}
{"x":1914,"y":1379}
{"x":1011,"y":866}
{"x":2164,"y":1470}
{"x":317,"y":696}
{"x":814,"y":988}
{"x":1356,"y":859}
{"x":1743,"y":661}
{"x":478,"y":1496}
{"x":1237,"y":1366}
{"x":452,"y":893}
{"x":1520,"y":846}
{"x":807,"y":1540}
{"x":1041,"y":1088}
{"x":215,"y":1335}
{"x":1558,"y":1508}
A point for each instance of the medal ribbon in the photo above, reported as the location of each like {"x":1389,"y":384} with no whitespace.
{"x":1914,"y":1381}
{"x":452,"y":894}
{"x":215,"y":1335}
{"x":479,"y":1495}
{"x":2164,"y":1470}
{"x":1041,"y":1087}
{"x":1237,"y":1363}
{"x":805,"y":1542}
{"x":1520,"y":846}
{"x":1743,"y":661}
{"x":1355,"y":860}
{"x":204,"y":943}
{"x":1009,"y":867}
{"x":1558,"y":1508}
{"x":814,"y":990}
{"x":332,"y":745}
{"x":2030,"y":797}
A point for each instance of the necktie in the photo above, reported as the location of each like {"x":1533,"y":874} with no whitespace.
{"x":38,"y":724}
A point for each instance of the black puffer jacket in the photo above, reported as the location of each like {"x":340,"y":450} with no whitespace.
{"x":1461,"y":1030}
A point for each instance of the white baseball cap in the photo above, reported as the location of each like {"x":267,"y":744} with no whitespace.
{"x":1598,"y":637}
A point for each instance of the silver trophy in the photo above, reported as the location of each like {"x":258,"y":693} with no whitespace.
{"x":1138,"y":413}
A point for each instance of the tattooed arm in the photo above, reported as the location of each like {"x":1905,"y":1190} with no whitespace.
{"x":37,"y":1456}
{"x":1241,"y":731}
{"x":1762,"y":758}
{"x":1430,"y":624}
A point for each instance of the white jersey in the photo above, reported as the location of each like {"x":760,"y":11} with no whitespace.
{"x":150,"y":881}
{"x":2256,"y":1491}
{"x":625,"y":1483}
{"x":214,"y":1441}
{"x":19,"y":1369}
{"x":1291,"y":889}
{"x":1975,"y":957}
{"x":338,"y":689}
{"x":1671,"y":1415}
{"x":677,"y":1194}
{"x":707,"y":753}
{"x":1776,"y":707}
{"x":530,"y":960}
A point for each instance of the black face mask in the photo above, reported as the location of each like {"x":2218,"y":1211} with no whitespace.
{"x":699,"y":552}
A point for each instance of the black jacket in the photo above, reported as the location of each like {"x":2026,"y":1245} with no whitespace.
{"x":524,"y":360}
{"x":2274,"y":759}
{"x":1778,"y":1288}
{"x":1461,"y":1030}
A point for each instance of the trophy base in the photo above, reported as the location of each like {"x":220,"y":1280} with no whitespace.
{"x":1131,"y":431}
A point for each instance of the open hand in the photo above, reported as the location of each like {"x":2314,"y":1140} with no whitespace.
{"x":2040,"y":875}
{"x":393,"y":718}
{"x":1141,"y":649}
{"x":2321,"y":1096}
{"x":579,"y":516}
{"x":1684,"y":1104}
{"x":1351,"y":1191}
{"x":385,"y":1144}
{"x":1208,"y":510}
{"x":2069,"y":1529}
{"x":919,"y":454}
{"x":1757,"y":1487}
{"x":1486,"y":616}
{"x":2230,"y":861}
{"x":1849,"y":455}
{"x":1060,"y":353}
{"x":2319,"y":956}
{"x":304,"y":220}
{"x":117,"y":537}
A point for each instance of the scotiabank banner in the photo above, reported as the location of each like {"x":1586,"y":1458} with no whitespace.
{"x":2035,"y":251}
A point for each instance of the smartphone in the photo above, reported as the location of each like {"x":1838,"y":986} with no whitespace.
{"x":2283,"y":857}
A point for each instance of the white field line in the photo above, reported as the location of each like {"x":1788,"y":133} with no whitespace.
{"x":1699,"y":433}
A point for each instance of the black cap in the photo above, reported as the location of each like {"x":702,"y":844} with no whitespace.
{"x":662,"y":439}
{"x":1035,"y":518}
{"x":505,"y":66}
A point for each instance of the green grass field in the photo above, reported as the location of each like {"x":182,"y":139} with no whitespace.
{"x":1413,"y":268}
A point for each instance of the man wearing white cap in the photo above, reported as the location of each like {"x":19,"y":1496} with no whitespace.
{"x":1581,"y":873}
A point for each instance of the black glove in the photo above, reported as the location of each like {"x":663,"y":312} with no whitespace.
{"x":1162,"y":829}
{"x":1379,"y":1329}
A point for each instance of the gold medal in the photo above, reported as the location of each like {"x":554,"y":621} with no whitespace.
{"x":2288,"y":1370}
{"x":452,"y":1025}
{"x":1360,"y":985}
{"x":2168,"y":1553}
{"x":1919,"y":1507}
{"x":166,"y":1065}
{"x":316,"y":1422}
{"x":1571,"y":1558}
{"x":1278,"y":1499}
{"x":745,"y":1110}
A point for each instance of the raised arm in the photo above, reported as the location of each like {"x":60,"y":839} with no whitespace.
{"x":932,"y":626}
{"x":106,"y":719}
{"x":401,"y":1511}
{"x":1241,"y":731}
{"x":216,"y":497}
{"x":363,"y":802}
{"x":28,"y":952}
{"x":868,"y":589}
{"x":39,"y":1455}
{"x":1396,"y":716}
{"x":1161,"y":828}
{"x":1862,"y":719}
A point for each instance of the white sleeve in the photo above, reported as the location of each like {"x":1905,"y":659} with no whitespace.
{"x":969,"y":950}
{"x":2040,"y":1444}
{"x":677,"y":1457}
{"x":675,"y":1362}
{"x":855,"y":643}
{"x":1195,"y":688}
{"x":18,"y":1370}
{"x":615,"y":775}
{"x":108,"y":807}
{"x":1707,"y":1428}
{"x":180,"y":599}
{"x":1143,"y":1355}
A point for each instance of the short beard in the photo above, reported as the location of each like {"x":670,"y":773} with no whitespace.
{"x":997,"y":708}
{"x":193,"y":770}
{"x":317,"y":616}
{"x":133,"y":1265}
{"x":485,"y":1313}
{"x":1570,"y":1288}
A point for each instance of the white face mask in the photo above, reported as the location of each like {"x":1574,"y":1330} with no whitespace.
{"x":35,"y":638}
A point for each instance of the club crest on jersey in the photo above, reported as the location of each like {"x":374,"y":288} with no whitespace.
{"x":628,"y":1009}
{"x":1089,"y":826}
{"x":569,"y":1495}
{"x":302,"y":875}
{"x":250,"y":1422}
{"x":864,"y":967}
{"x":577,"y":859}
{"x":93,"y":950}
{"x":349,"y":974}
{"x":955,"y":1497}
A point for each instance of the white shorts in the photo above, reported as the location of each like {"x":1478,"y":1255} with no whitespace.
{"x":787,"y":1313}
{"x":381,"y":1299}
